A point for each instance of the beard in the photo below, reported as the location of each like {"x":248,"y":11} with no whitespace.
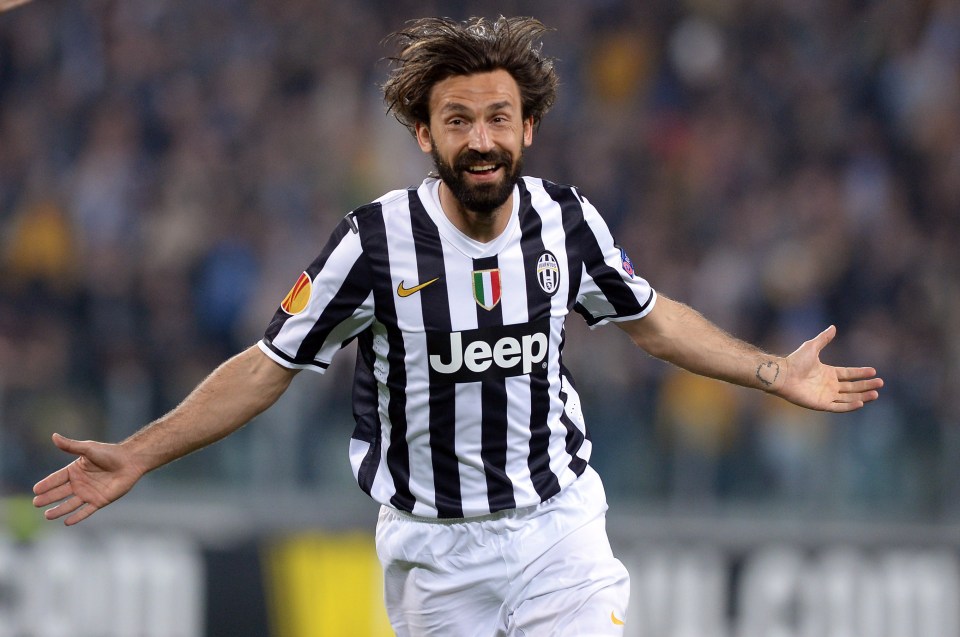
{"x":480,"y":198}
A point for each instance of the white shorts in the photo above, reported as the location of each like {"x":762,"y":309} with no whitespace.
{"x":541,"y":570}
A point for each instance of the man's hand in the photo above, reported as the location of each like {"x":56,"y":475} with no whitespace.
{"x":234,"y":393}
{"x":676,"y":333}
{"x":809,"y":383}
{"x":101,"y":474}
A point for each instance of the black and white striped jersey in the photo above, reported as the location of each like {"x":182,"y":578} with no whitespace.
{"x":463,"y":406}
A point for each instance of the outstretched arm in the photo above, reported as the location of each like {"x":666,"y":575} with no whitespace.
{"x":234,"y":393}
{"x":676,"y":333}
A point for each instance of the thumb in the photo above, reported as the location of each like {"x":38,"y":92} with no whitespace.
{"x":69,"y":445}
{"x":823,"y":339}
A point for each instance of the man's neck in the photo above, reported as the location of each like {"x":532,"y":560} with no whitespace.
{"x":479,"y":226}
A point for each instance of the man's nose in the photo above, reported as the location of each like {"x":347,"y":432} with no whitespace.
{"x":480,"y":138}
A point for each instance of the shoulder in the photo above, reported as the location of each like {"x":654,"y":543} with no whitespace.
{"x":566,"y":199}
{"x":537,"y":185}
{"x":388,"y":200}
{"x":398,"y":197}
{"x":376,"y":209}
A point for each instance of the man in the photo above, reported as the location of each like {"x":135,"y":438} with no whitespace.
{"x":469,"y":430}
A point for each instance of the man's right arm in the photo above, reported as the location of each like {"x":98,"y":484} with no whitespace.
{"x":234,"y":393}
{"x":228,"y":398}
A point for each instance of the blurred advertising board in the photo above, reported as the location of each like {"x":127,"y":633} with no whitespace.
{"x":702,"y":580}
{"x":122,"y":584}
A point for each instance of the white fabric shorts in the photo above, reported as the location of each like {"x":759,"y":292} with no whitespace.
{"x":542,"y":570}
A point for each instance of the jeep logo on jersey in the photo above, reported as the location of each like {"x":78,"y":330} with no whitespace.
{"x":548,"y":273}
{"x":489,"y":353}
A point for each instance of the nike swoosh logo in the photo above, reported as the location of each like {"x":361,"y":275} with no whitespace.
{"x":404,"y":292}
{"x":616,"y":622}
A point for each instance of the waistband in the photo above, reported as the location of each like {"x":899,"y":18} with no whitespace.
{"x":584,"y":481}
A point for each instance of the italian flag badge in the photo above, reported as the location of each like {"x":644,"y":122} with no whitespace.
{"x":486,"y":288}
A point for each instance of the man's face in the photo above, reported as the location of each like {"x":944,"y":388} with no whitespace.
{"x":476,"y":137}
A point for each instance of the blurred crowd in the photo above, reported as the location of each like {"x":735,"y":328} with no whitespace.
{"x":167,"y":169}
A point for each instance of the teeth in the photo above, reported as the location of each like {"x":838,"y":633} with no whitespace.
{"x":480,"y":169}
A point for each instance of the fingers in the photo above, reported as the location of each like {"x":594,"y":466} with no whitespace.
{"x":843,"y":407}
{"x":54,"y":488}
{"x":859,"y":384}
{"x":62,"y":476}
{"x":82,"y":514}
{"x":71,"y":504}
{"x":52,"y":481}
{"x":856,"y":373}
{"x":857,"y":399}
{"x":81,"y":511}
{"x":66,"y":507}
{"x":855,"y":395}
{"x":862,"y":391}
{"x":58,"y":486}
{"x":54,"y":494}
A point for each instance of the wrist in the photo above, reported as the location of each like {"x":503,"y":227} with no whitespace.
{"x":138,"y":457}
{"x":769,"y":374}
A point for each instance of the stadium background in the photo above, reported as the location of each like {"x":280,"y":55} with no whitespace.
{"x":167,"y":168}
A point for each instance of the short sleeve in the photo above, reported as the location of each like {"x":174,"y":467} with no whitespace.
{"x":610,"y":288}
{"x":329,"y":304}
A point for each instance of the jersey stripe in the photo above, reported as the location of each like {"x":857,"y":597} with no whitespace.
{"x":436,"y":318}
{"x":493,"y":407}
{"x":572,"y":217}
{"x":531,"y":244}
{"x":368,"y":427}
{"x":573,"y":440}
{"x":373,"y":233}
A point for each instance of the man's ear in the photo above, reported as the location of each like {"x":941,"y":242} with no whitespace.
{"x":423,"y":137}
{"x":528,"y":132}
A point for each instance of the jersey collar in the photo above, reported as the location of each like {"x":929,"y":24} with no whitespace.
{"x":429,"y":193}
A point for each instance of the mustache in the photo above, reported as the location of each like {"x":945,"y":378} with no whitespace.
{"x":472,"y":158}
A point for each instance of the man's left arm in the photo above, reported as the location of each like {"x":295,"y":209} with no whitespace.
{"x":680,"y":335}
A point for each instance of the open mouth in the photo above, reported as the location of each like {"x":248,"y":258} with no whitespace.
{"x":482,"y":164}
{"x":482,"y":169}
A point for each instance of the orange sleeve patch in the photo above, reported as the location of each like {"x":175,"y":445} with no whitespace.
{"x":298,"y":296}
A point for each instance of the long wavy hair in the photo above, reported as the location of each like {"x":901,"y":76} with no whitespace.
{"x":434,"y":49}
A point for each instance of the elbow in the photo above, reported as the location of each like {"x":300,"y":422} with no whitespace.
{"x":653,"y":345}
{"x":268,"y":379}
